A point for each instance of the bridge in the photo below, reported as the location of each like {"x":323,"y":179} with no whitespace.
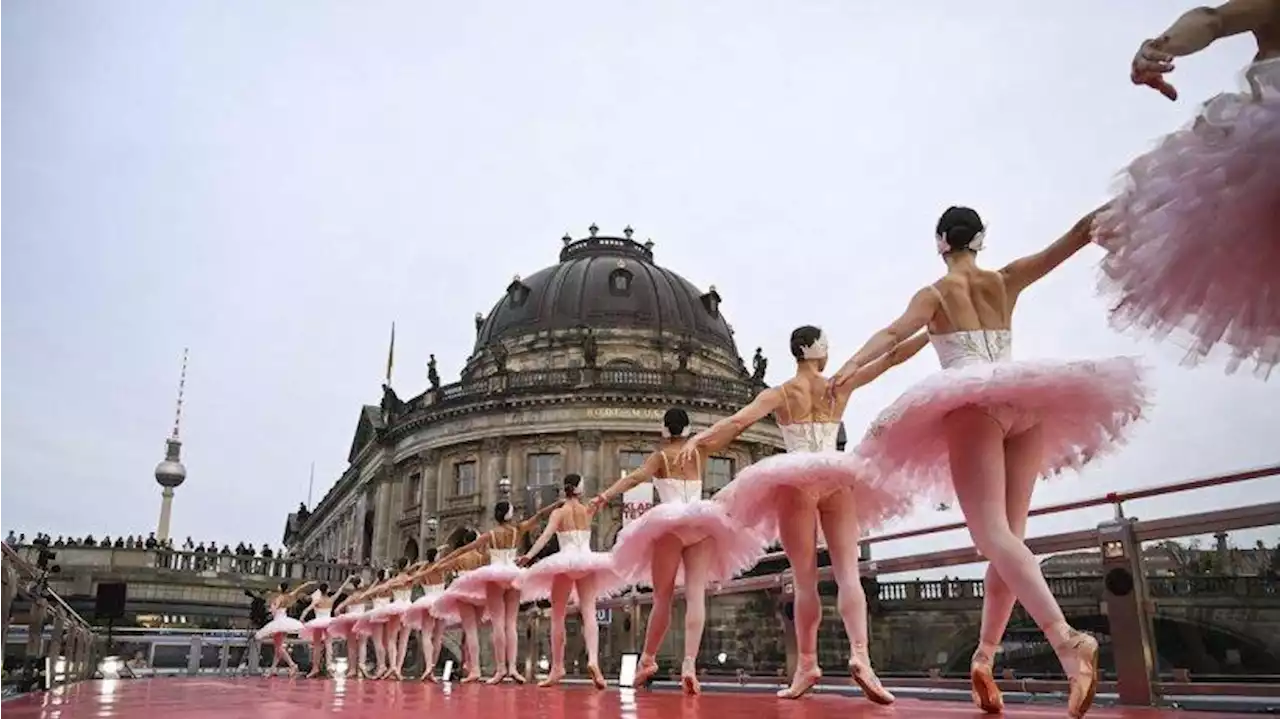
{"x":1193,"y":630}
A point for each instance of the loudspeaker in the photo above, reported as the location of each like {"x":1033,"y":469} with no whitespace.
{"x":111,"y":598}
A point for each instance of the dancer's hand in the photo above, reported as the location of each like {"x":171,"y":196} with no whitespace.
{"x":597,"y":503}
{"x":1149,"y":65}
{"x":839,"y":379}
{"x":524,"y":561}
{"x":690,"y":451}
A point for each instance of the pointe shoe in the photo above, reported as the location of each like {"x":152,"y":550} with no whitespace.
{"x":552,"y":679}
{"x":428,"y":677}
{"x":597,"y":677}
{"x":865,"y":677}
{"x":497,"y":678}
{"x":807,"y":675}
{"x":313,"y":673}
{"x":470,"y":678}
{"x":645,"y":672}
{"x":1082,"y":681}
{"x":985,"y":692}
{"x":516,"y":676}
{"x":689,"y":678}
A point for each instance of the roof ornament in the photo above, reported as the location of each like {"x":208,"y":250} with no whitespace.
{"x":566,"y":239}
{"x":628,"y":232}
{"x":593,"y":229}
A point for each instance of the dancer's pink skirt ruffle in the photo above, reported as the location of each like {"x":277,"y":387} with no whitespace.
{"x":315,"y":629}
{"x":736,"y":547}
{"x":392,"y":610}
{"x":279,"y":625}
{"x":415,"y":617}
{"x":343,"y":625}
{"x":447,"y":606}
{"x":1082,"y":407}
{"x":477,"y":581}
{"x":752,"y":498}
{"x":573,"y":564}
{"x":1193,"y":237}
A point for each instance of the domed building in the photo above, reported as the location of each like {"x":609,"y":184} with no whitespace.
{"x":571,"y":371}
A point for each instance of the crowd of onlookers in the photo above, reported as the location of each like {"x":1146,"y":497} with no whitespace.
{"x":241,"y":549}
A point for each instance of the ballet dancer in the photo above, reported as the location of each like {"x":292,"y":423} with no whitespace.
{"x":684,"y":537}
{"x":574,"y":569}
{"x":814,"y":488}
{"x":1193,"y":237}
{"x":418,"y":617}
{"x":463,"y":608}
{"x":496,"y":583}
{"x":986,"y":426}
{"x":397,"y":590}
{"x":282,"y":625}
{"x":347,"y":612}
{"x":370,"y":626}
{"x":316,"y":630}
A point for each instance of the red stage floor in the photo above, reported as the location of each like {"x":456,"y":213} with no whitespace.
{"x":279,"y":698}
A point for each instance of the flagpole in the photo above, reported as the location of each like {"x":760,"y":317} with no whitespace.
{"x":391,"y":353}
{"x":311,"y":483}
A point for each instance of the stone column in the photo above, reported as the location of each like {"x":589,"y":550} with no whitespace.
{"x":382,"y":520}
{"x":429,"y":467}
{"x":493,"y":461}
{"x":589,"y":441}
{"x":35,"y":628}
{"x":357,"y":526}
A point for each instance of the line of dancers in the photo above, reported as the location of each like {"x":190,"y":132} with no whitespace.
{"x":1190,"y":245}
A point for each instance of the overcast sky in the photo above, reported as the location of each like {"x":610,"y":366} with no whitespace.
{"x":272,"y":184}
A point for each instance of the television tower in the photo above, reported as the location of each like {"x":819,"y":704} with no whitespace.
{"x":170,"y":473}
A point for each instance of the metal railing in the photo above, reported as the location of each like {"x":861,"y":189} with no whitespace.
{"x":66,"y":653}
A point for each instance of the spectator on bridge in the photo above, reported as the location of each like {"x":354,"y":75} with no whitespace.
{"x":188,"y":546}
{"x":266,"y":551}
{"x":151,"y":542}
{"x":12,"y":539}
{"x":58,"y":542}
{"x":89,"y":541}
{"x":119,"y":543}
{"x":129,"y":543}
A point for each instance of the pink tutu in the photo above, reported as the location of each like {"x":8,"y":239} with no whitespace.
{"x":1083,"y":408}
{"x":343,"y":625}
{"x":737,"y":548}
{"x":752,"y":497}
{"x":316,"y":628}
{"x":1193,"y":238}
{"x":572,"y":563}
{"x":392,"y":610}
{"x":415,"y":617}
{"x":446,"y":606}
{"x":477,"y":581}
{"x":281,"y":623}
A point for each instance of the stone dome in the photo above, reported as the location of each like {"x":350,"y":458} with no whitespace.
{"x":606,"y":282}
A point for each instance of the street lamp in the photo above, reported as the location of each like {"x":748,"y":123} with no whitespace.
{"x":504,"y":486}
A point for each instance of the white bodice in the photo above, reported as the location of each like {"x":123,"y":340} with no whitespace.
{"x":279,"y":613}
{"x":401,"y":595}
{"x":503,"y":556}
{"x":967,"y":347}
{"x":677,"y":490}
{"x":381,"y":602}
{"x":433,"y":588}
{"x":357,"y":608}
{"x":810,"y":436}
{"x":577,"y":540}
{"x":324,"y":613}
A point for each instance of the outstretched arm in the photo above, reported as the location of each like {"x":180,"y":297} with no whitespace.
{"x":545,"y":537}
{"x":868,"y":372}
{"x":527,"y":525}
{"x":292,"y":597}
{"x":918,"y":313}
{"x":1196,"y":30}
{"x":1022,"y":273}
{"x":642,"y":474}
{"x":720,"y":434}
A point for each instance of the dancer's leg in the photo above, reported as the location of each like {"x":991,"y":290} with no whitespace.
{"x":283,"y":649}
{"x":362,"y":654}
{"x":471,"y":641}
{"x":977,"y":451}
{"x":512,"y":617}
{"x":379,"y":649}
{"x":497,"y":631}
{"x":697,"y":563}
{"x":838,"y":514}
{"x":797,"y":527}
{"x":317,"y":656}
{"x":560,"y":589}
{"x":432,"y":639}
{"x":590,"y":630}
{"x":277,"y":641}
{"x":391,"y":640}
{"x":665,"y":564}
{"x":402,"y":647}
